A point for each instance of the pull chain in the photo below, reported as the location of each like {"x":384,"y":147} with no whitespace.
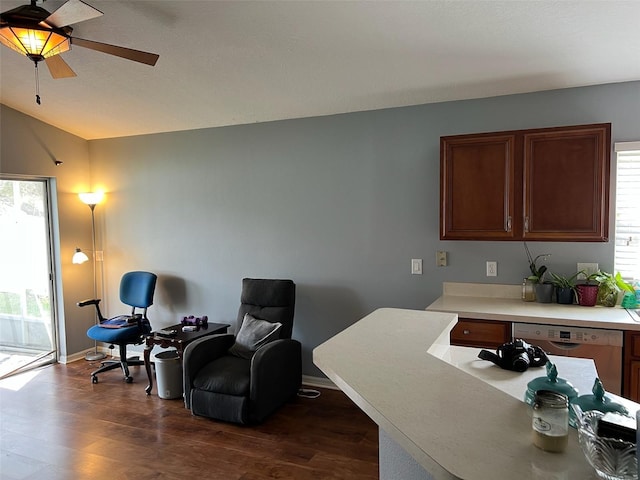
{"x":37,"y":85}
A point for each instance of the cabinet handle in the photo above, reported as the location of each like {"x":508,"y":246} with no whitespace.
{"x":466,"y":332}
{"x":526,"y":224}
{"x":509,"y":223}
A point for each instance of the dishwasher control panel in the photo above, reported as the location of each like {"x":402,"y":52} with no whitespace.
{"x":531,"y":332}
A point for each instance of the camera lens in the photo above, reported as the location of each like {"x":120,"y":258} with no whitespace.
{"x":520,"y":362}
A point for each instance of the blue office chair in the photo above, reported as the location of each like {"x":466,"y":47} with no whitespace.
{"x":136,"y":290}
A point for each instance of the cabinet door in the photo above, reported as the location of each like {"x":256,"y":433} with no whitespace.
{"x":566,"y":183}
{"x":631,"y":366}
{"x":632,"y":391}
{"x":476,"y":187}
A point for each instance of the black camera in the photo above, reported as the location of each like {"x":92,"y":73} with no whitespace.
{"x":517,"y":355}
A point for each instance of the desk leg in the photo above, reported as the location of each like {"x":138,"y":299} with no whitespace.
{"x":147,"y":366}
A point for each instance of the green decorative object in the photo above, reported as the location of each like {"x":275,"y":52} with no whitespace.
{"x":550,"y":382}
{"x":598,"y":400}
{"x":629,"y":300}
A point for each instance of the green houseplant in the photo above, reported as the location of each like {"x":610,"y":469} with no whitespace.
{"x":544,"y":290}
{"x":608,"y":289}
{"x":565,"y":287}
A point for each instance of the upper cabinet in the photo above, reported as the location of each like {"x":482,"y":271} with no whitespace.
{"x":549,"y":184}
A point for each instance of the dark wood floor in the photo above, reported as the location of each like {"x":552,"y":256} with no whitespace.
{"x":59,"y":426}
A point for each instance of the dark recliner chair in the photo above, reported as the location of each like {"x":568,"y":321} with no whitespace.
{"x":245,"y":378}
{"x":136,"y":290}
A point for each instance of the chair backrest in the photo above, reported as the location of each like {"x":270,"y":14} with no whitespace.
{"x":270,"y":300}
{"x":137,"y":288}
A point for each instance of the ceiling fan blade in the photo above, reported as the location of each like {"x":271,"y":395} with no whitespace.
{"x":73,"y":11}
{"x":58,"y":67}
{"x":128,"y":53}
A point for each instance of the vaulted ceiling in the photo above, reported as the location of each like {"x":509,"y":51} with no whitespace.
{"x":235,"y":62}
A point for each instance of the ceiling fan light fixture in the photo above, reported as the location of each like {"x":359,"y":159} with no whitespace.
{"x":35,"y":43}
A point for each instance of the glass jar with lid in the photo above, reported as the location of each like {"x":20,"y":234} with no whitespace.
{"x":528,"y":290}
{"x":550,"y":422}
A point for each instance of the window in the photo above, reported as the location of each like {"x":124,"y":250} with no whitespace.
{"x":627,"y":236}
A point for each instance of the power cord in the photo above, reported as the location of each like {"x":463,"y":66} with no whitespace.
{"x":308,"y":393}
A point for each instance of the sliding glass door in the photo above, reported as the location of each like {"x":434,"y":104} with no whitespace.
{"x":27,"y":333}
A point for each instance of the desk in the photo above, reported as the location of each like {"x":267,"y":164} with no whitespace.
{"x":178,"y":341}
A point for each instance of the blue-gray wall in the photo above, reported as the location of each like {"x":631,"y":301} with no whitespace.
{"x":340,"y":204}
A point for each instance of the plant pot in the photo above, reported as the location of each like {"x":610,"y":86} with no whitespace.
{"x":564,"y":295}
{"x":587,"y":295}
{"x":607,"y":296}
{"x":544,"y":292}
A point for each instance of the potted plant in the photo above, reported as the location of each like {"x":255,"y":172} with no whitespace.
{"x":608,"y":289}
{"x":588,"y":291}
{"x":544,"y":290}
{"x":565,"y":287}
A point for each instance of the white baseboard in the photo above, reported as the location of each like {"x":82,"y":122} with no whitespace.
{"x":320,"y":382}
{"x":308,"y":380}
{"x":64,"y":359}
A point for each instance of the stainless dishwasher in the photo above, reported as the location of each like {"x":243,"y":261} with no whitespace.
{"x":604,"y":347}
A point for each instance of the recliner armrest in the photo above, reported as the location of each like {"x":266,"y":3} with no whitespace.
{"x":276,"y":373}
{"x":200,"y":352}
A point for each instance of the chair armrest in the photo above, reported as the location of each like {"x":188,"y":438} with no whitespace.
{"x":200,"y":352}
{"x":96,"y":303}
{"x":84,"y":303}
{"x":276,"y":375}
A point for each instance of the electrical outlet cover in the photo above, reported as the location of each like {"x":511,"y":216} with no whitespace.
{"x":589,"y":268}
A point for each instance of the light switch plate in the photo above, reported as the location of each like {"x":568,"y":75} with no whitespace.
{"x":416,"y":266}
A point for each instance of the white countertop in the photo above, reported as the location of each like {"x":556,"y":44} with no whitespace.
{"x":503,"y":302}
{"x":398,"y":367}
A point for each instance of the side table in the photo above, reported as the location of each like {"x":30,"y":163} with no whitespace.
{"x":179,"y":341}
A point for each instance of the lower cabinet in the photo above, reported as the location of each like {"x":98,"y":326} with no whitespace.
{"x":631,"y":366}
{"x":470,"y":332}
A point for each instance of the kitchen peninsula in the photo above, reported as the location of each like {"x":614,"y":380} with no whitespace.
{"x":437,"y":420}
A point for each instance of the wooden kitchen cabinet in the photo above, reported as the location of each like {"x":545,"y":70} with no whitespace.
{"x":631,"y":366}
{"x":549,"y":184}
{"x":480,"y":333}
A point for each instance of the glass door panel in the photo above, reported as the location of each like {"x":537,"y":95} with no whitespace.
{"x":27,"y":333}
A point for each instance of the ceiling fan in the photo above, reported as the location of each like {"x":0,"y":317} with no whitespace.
{"x":33,"y":31}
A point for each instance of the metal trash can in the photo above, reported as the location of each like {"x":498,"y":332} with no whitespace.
{"x":169,"y":374}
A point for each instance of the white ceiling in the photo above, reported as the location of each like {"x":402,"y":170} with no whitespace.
{"x":235,"y":62}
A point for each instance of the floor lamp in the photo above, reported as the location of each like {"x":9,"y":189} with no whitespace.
{"x":91,"y":199}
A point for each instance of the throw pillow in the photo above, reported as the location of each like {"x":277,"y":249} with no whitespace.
{"x":253,"y":334}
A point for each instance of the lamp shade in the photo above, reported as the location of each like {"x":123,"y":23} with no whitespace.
{"x":91,"y":198}
{"x":35,"y":42}
{"x":79,"y":257}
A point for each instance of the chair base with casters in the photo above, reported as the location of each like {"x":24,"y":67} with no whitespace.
{"x":107,"y":365}
{"x":136,"y":290}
